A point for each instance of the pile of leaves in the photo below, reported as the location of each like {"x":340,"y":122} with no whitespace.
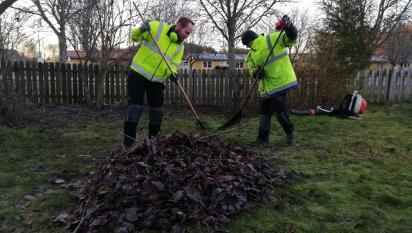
{"x":171,"y":181}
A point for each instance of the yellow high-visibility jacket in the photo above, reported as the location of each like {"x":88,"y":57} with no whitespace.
{"x":279,"y":74}
{"x":148,"y":61}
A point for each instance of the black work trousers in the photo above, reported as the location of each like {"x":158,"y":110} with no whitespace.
{"x":137,"y":88}
{"x":275,"y":105}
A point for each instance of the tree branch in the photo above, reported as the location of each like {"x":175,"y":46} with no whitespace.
{"x":6,"y":4}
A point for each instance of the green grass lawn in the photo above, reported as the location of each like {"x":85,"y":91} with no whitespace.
{"x":356,"y":176}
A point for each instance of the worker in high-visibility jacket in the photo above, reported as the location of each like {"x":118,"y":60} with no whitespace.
{"x":277,"y":77}
{"x":149,"y":71}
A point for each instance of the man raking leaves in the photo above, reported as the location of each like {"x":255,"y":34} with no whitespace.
{"x":156,"y":60}
{"x":269,"y":63}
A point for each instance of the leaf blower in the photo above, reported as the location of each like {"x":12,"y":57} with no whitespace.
{"x":351,"y":106}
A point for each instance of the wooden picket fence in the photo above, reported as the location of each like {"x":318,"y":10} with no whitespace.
{"x":385,"y":85}
{"x":377,"y":86}
{"x":54,"y":83}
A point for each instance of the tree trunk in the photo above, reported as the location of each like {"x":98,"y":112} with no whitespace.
{"x":235,"y":80}
{"x":103,"y":72}
{"x":6,"y":4}
{"x":84,"y":75}
{"x":62,"y":46}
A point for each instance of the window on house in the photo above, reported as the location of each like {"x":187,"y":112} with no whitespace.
{"x":207,"y":64}
{"x":239,"y":65}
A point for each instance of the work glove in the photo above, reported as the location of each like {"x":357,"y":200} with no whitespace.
{"x":286,"y":24}
{"x":145,"y":27}
{"x":173,"y":77}
{"x":283,"y":23}
{"x":259,"y":73}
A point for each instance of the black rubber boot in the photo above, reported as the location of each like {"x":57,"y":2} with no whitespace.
{"x":154,"y":130}
{"x":262,"y":138}
{"x":129,"y":133}
{"x":291,"y":138}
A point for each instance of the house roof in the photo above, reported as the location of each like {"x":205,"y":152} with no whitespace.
{"x":114,"y":55}
{"x":126,"y":53}
{"x":74,"y":54}
{"x":378,"y":59}
{"x":219,"y":57}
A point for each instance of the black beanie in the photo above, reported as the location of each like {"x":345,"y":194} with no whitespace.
{"x":248,"y":36}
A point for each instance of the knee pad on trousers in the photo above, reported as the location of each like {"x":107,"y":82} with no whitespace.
{"x":155,"y":115}
{"x":264,"y":122}
{"x":134,"y":112}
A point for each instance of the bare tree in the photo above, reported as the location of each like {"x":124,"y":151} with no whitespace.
{"x":11,"y":33}
{"x":168,"y":11}
{"x":98,"y":29}
{"x":306,"y":25}
{"x":5,"y":4}
{"x":232,"y":17}
{"x":56,"y":14}
{"x":389,"y":13}
{"x":83,"y":40}
{"x":304,"y":22}
{"x":398,"y":46}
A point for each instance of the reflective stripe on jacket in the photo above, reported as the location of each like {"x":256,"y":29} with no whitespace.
{"x":279,"y":74}
{"x":148,"y":61}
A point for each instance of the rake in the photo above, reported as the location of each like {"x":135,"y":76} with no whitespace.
{"x":236,"y":118}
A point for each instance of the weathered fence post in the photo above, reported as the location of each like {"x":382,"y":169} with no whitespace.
{"x":75,"y":83}
{"x":46,"y":93}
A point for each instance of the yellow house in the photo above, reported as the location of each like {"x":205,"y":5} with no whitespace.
{"x":379,"y":62}
{"x":215,"y":61}
{"x":382,"y":62}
